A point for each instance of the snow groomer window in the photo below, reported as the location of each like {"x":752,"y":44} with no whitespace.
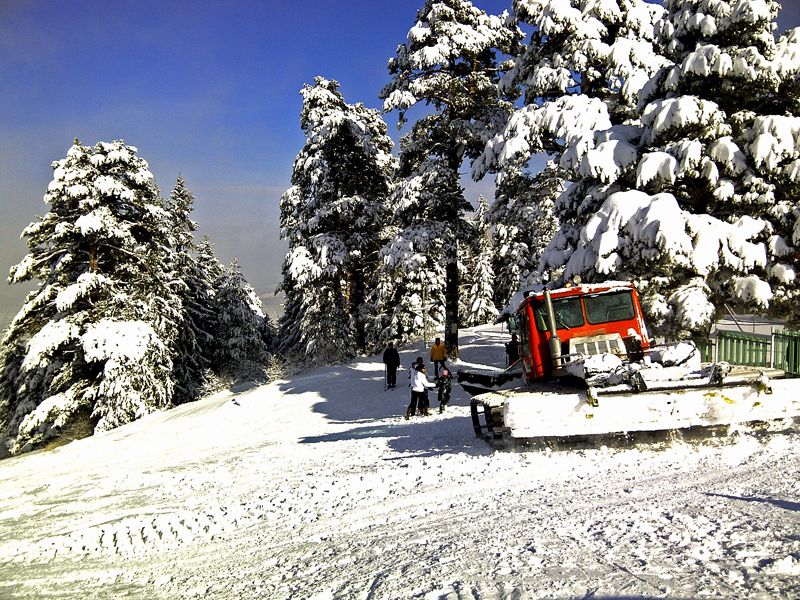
{"x":568,"y":314}
{"x":608,"y":308}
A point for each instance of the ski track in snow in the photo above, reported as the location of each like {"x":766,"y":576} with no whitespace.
{"x":317,"y":488}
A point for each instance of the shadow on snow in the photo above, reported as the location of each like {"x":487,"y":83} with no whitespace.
{"x":356,"y":394}
{"x":785,"y":504}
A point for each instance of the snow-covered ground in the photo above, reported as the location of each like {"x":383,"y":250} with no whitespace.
{"x":316,"y":487}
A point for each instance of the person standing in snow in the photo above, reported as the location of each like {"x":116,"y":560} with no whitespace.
{"x":419,"y":361}
{"x":392,"y":360}
{"x":419,"y":385}
{"x":445,"y":386}
{"x":512,"y":349}
{"x":438,"y":354}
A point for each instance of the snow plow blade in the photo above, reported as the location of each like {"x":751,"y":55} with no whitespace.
{"x":565,"y":413}
{"x":478,"y":381}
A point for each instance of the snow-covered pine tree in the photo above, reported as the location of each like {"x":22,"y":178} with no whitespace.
{"x":332,"y":217}
{"x":480,"y":307}
{"x":241,"y":352}
{"x":467,"y":255}
{"x":192,"y":354}
{"x":581,"y":71}
{"x":466,"y":263}
{"x":523,"y":221}
{"x":448,"y":63}
{"x":698,"y":204}
{"x":92,"y":342}
{"x":412,"y":281}
{"x":210,"y":271}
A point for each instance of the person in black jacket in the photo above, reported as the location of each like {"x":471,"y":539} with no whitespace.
{"x":512,"y":350}
{"x":392,"y":360}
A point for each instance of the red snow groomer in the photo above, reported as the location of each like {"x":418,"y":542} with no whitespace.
{"x":588,"y":369}
{"x":559,"y":326}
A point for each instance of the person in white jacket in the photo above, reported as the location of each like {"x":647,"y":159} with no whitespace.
{"x":418,"y":384}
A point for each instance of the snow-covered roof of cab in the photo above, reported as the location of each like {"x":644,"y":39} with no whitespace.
{"x":538,"y":288}
{"x":585,"y":288}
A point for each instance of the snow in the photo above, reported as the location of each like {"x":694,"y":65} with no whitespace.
{"x":118,"y":341}
{"x":775,"y":138}
{"x":101,"y":220}
{"x":55,"y":409}
{"x":571,"y":118}
{"x":315,"y":487}
{"x":632,"y":226}
{"x":431,"y":56}
{"x":47,"y":339}
{"x":85,"y":283}
{"x":783,"y":273}
{"x":607,"y":160}
{"x":691,"y":304}
{"x":627,"y":218}
{"x":707,"y":60}
{"x":682,"y":353}
{"x":586,"y":366}
{"x":656,"y":165}
{"x":752,"y":11}
{"x":753,"y":289}
{"x":684,"y":112}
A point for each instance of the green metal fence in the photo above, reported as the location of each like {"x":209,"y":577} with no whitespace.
{"x":706,"y":348}
{"x":741,"y":349}
{"x":780,"y":350}
{"x":786,"y":351}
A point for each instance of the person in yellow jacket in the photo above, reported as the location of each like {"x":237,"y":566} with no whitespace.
{"x":438,"y":354}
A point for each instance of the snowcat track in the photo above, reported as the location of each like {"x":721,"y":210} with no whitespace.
{"x":491,"y":430}
{"x":492,"y":427}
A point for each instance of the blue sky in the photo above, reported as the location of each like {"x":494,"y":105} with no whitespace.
{"x":205,"y":88}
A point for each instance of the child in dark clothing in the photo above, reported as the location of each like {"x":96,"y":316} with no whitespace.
{"x":445,"y":387}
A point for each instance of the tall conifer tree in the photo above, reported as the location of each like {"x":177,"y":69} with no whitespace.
{"x":93,"y":341}
{"x":480,"y":307}
{"x":523,"y":221}
{"x":449,"y":63}
{"x":240,"y":348}
{"x":701,"y":209}
{"x":191,"y":357}
{"x":332,"y":216}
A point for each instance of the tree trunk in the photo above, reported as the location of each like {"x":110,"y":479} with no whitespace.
{"x":451,"y":303}
{"x":357,"y":294}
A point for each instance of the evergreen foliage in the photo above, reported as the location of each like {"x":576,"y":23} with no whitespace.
{"x":523,"y":221}
{"x":93,"y":340}
{"x":480,"y":307}
{"x":206,"y":277}
{"x":332,"y":217}
{"x":697,"y":200}
{"x":675,"y":133}
{"x":413,"y":281}
{"x":448,"y":63}
{"x":581,"y":72}
{"x":241,"y":349}
{"x":195,"y":331}
{"x":126,"y":319}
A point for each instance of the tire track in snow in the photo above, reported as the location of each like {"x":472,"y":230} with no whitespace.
{"x":503,"y":552}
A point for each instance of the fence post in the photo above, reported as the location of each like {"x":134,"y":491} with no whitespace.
{"x":786,"y":353}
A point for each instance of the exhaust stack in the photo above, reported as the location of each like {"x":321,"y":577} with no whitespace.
{"x":555,"y":341}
